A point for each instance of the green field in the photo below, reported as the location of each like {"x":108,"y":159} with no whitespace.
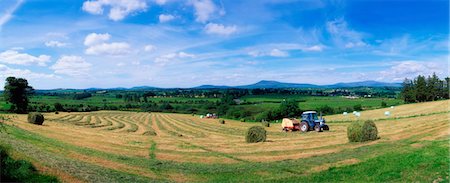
{"x":314,"y":102}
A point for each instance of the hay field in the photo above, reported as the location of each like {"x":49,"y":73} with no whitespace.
{"x":111,"y":146}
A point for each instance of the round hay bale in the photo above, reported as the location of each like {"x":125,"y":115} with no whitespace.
{"x":362,"y":131}
{"x":256,"y":134}
{"x":35,"y":118}
{"x":151,"y":133}
{"x":221,"y":121}
{"x":266,"y":123}
{"x":369,"y":131}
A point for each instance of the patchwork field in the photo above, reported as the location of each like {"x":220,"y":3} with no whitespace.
{"x":111,"y":146}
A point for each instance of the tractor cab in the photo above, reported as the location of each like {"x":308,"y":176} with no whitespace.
{"x":310,"y":116}
{"x":311,"y":121}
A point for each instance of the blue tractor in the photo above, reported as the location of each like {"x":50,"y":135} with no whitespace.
{"x":310,"y":121}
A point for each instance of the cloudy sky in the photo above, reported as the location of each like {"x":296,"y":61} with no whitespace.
{"x":184,"y":43}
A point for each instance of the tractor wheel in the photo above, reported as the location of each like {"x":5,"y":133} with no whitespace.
{"x":326,"y":128}
{"x":304,"y":127}
{"x":317,"y":128}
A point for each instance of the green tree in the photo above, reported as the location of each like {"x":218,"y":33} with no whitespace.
{"x":434,"y":87}
{"x":289,"y":109}
{"x":421,"y":88}
{"x":16,"y":92}
{"x":383,"y":104}
{"x":357,"y":107}
{"x":58,"y":107}
{"x":326,"y":110}
{"x":446,"y":88}
{"x":408,"y":92}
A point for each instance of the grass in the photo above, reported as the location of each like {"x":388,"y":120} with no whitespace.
{"x":427,"y":164}
{"x":97,"y":100}
{"x":379,"y":156}
{"x":13,"y":170}
{"x":314,"y":102}
{"x":211,"y":152}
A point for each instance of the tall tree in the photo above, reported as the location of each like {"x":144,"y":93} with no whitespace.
{"x":408,"y":91}
{"x":446,"y":88}
{"x":16,"y":92}
{"x":434,"y":88}
{"x":421,"y":88}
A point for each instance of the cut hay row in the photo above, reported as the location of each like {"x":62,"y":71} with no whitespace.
{"x":209,"y":126}
{"x":97,"y":123}
{"x":148,"y":123}
{"x":126,"y":123}
{"x":103,"y":123}
{"x":182,"y":128}
{"x":84,"y":137}
{"x":167,"y":128}
{"x":116,"y":124}
{"x":85,"y":120}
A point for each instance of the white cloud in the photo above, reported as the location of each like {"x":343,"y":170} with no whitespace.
{"x":313,"y":48}
{"x":72,"y":66}
{"x":204,"y":9}
{"x":118,"y":9}
{"x":161,"y":2}
{"x":273,"y":53}
{"x":411,"y":69}
{"x":94,"y":38}
{"x":166,"y":18}
{"x":17,"y":48}
{"x":14,"y":57}
{"x":343,"y":36}
{"x":7,"y":15}
{"x":278,"y":53}
{"x":220,"y":29}
{"x":116,"y":48}
{"x":97,"y":46}
{"x":356,"y":44}
{"x":185,"y":55}
{"x":6,"y":71}
{"x":167,"y":58}
{"x":120,"y":64}
{"x":55,"y":44}
{"x":255,"y":53}
{"x":149,"y":48}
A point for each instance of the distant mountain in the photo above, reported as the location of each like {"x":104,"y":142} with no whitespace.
{"x":143,"y":88}
{"x":364,"y":83}
{"x":260,"y":84}
{"x":276,"y":84}
{"x":211,"y":87}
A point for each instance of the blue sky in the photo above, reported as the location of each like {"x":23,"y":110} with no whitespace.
{"x":185,"y":43}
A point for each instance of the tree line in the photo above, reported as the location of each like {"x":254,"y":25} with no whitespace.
{"x":422,"y":89}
